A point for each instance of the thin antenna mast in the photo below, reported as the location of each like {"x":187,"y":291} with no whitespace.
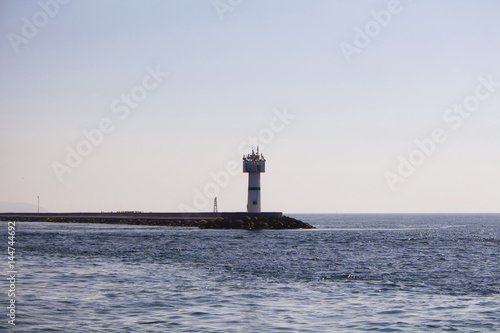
{"x":216,"y":209}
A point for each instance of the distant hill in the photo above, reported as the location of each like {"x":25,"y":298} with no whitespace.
{"x":19,"y":207}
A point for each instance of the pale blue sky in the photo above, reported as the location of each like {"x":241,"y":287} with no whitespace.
{"x":353,"y":119}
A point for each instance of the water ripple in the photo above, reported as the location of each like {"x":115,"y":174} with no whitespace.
{"x":388,"y":273}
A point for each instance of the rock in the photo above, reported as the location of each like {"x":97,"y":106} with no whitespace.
{"x":239,"y":224}
{"x":251,"y":223}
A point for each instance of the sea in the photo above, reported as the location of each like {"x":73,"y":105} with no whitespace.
{"x":353,"y":273}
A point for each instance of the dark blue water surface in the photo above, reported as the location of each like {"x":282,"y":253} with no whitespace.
{"x":389,"y":273}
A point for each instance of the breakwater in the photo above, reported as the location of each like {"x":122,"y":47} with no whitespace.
{"x":266,"y":220}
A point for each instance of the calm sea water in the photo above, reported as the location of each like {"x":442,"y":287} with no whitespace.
{"x":354,"y":273}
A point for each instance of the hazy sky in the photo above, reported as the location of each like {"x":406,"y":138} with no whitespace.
{"x":149,"y":105}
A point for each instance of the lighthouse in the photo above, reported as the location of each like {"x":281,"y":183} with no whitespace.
{"x":254,"y":164}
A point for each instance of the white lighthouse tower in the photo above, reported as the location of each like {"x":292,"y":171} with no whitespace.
{"x":254,"y":164}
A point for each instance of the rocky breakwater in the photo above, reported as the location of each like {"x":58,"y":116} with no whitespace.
{"x":200,"y":220}
{"x":254,"y":222}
